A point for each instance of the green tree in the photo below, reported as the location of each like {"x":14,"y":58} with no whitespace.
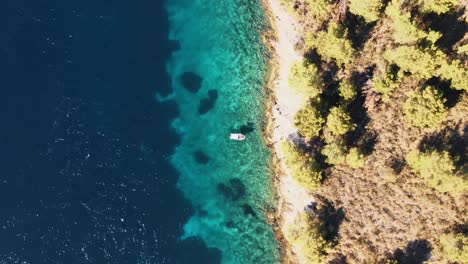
{"x":456,"y":72}
{"x":319,"y":9}
{"x":437,"y":6}
{"x":438,"y":171}
{"x":422,"y":63}
{"x":347,"y":90}
{"x":455,"y":246}
{"x":332,"y":44}
{"x":307,"y":234}
{"x":404,"y":31}
{"x":304,"y":169}
{"x":304,"y":79}
{"x":309,"y":121}
{"x":368,"y":9}
{"x":339,"y":122}
{"x":425,"y":108}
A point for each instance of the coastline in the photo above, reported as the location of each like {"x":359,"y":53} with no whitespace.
{"x":282,"y":105}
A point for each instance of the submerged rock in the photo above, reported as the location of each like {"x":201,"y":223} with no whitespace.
{"x":207,"y":104}
{"x":248,"y":128}
{"x":248,"y":210}
{"x":191,"y":81}
{"x":234,"y":190}
{"x":201,"y":157}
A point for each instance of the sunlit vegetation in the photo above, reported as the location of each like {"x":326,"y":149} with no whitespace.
{"x":425,"y":108}
{"x":368,"y":9}
{"x":307,"y":234}
{"x":338,"y":154}
{"x":309,"y":121}
{"x":304,"y":169}
{"x":437,"y":6}
{"x":438,"y":170}
{"x":339,"y":122}
{"x":304,"y":79}
{"x":347,"y":90}
{"x":386,"y":141}
{"x":338,"y":47}
{"x":455,"y":246}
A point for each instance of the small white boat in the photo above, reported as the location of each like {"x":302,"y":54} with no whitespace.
{"x":237,"y":136}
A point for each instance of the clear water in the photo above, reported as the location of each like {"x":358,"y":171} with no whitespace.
{"x":228,"y":184}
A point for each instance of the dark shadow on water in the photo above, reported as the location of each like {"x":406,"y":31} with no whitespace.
{"x":200,"y":157}
{"x":247,"y":128}
{"x":191,"y":248}
{"x":206,"y":104}
{"x":233,"y":190}
{"x":191,"y":81}
{"x":416,"y":252}
{"x":248,"y":210}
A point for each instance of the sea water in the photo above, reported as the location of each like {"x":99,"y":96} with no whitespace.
{"x":218,"y":77}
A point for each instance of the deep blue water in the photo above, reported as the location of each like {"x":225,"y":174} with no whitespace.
{"x":85,"y":175}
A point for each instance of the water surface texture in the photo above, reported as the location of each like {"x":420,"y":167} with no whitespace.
{"x":218,"y":77}
{"x":85,"y":175}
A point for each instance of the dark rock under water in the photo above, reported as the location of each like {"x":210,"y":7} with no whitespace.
{"x":191,"y":81}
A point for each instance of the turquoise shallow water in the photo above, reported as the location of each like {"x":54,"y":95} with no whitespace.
{"x":228,"y":182}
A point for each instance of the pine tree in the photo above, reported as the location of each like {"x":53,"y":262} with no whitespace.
{"x":425,"y":108}
{"x":304,"y":79}
{"x":437,"y":6}
{"x":368,"y":9}
{"x":339,"y":122}
{"x":304,"y":169}
{"x":309,"y":121}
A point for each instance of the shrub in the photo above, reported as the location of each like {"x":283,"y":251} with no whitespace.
{"x":463,"y":49}
{"x":437,"y":169}
{"x":309,"y":121}
{"x":368,"y":9}
{"x":385,"y":84}
{"x":335,"y":153}
{"x":347,"y":90}
{"x":436,"y":6}
{"x":319,"y":9}
{"x":425,"y":108}
{"x":455,"y":246}
{"x":304,"y":79}
{"x":304,"y":169}
{"x":355,"y":159}
{"x":307,"y":234}
{"x":339,"y":122}
{"x":332,"y":44}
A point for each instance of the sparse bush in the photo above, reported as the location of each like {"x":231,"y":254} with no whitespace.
{"x":307,"y":235}
{"x":309,"y":121}
{"x":438,"y":171}
{"x":339,"y":122}
{"x":368,"y":9}
{"x":437,"y":6}
{"x":347,"y":90}
{"x":304,"y":79}
{"x":463,"y":49}
{"x":355,"y":159}
{"x":338,"y":46}
{"x":304,"y":169}
{"x":455,"y":246}
{"x":425,"y":108}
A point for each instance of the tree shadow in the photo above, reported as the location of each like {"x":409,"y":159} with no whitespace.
{"x":357,"y":111}
{"x":454,"y":29}
{"x":452,"y":95}
{"x":358,"y":29}
{"x":329,"y":215}
{"x":452,"y":139}
{"x":416,"y":252}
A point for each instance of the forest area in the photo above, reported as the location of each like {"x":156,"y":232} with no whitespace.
{"x":382,"y":139}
